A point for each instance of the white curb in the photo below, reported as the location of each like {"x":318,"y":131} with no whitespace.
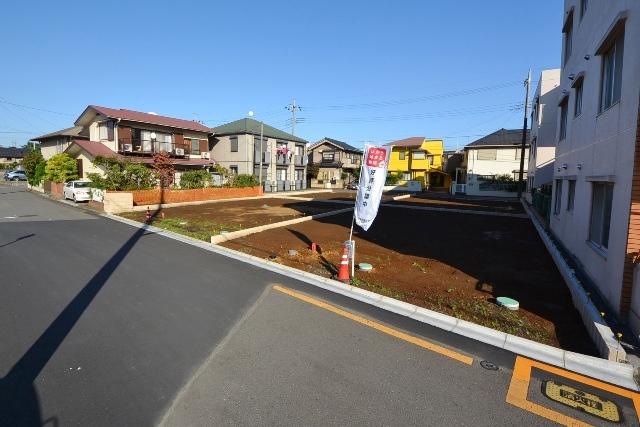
{"x":609,"y":371}
{"x":219,"y":238}
{"x":600,"y":332}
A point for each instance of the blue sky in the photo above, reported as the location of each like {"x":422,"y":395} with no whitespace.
{"x":361,"y":71}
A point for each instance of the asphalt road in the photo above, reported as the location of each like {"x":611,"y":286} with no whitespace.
{"x":105,"y":324}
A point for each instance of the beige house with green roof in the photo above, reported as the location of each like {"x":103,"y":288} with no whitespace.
{"x":236,"y":147}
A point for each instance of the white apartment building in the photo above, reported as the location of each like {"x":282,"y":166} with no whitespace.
{"x":596,"y":189}
{"x":542,"y":138}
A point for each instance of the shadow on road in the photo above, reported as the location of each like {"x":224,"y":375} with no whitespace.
{"x":17,"y":240}
{"x":19,"y":403}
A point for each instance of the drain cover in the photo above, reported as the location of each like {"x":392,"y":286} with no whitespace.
{"x":582,"y":401}
{"x":365,"y":266}
{"x":509,"y":303}
{"x":488,"y":365}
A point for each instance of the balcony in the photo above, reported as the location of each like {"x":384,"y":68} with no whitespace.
{"x":283,"y":159}
{"x":145,"y":146}
{"x":266,"y":157}
{"x":300,"y":160}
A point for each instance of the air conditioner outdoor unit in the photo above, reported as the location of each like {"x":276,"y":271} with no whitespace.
{"x":179,"y":151}
{"x":127,"y":147}
{"x":204,"y":155}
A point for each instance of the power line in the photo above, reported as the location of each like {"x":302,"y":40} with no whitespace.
{"x":5,"y":101}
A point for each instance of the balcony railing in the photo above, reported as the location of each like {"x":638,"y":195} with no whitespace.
{"x":283,"y":159}
{"x":300,"y":160}
{"x":146,"y":146}
{"x":266,"y":157}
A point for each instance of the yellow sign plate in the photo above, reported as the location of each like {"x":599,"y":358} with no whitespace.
{"x":582,"y":401}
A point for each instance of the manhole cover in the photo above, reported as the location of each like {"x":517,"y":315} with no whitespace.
{"x":488,"y":365}
{"x":509,"y":303}
{"x":582,"y":401}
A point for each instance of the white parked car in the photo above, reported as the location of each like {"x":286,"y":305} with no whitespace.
{"x":77,"y":191}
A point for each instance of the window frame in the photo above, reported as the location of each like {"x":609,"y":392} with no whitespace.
{"x":402,"y":155}
{"x":578,"y":98}
{"x":233,"y":143}
{"x":612,"y":62}
{"x":601,"y":241}
{"x":557,"y":198}
{"x":562,"y":123}
{"x":197,"y":150}
{"x":487,"y":150}
{"x":421,"y":155}
{"x":567,"y":40}
{"x":584,"y":4}
{"x":571,"y":195}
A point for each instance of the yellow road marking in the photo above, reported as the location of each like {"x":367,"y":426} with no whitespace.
{"x":377,"y":326}
{"x":519,"y":387}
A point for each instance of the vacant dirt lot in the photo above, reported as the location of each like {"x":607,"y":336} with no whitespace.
{"x":449,"y":262}
{"x":206,"y":220}
{"x":451,"y":202}
{"x":338,"y":195}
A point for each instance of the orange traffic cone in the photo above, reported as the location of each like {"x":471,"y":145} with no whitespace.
{"x":343,"y":272}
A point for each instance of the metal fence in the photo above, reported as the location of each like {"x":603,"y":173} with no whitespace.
{"x":542,"y":204}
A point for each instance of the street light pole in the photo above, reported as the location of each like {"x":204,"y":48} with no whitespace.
{"x":261,"y":152}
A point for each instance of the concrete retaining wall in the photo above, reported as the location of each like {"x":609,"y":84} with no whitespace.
{"x":117,"y":201}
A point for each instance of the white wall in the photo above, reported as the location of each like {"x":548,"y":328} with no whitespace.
{"x":506,"y":163}
{"x":599,"y":144}
{"x":543,"y":129}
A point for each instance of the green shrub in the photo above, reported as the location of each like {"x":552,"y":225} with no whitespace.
{"x":61,"y":168}
{"x":121,"y":175}
{"x":393,"y":178}
{"x":34,"y":166}
{"x":195,"y":179}
{"x":244,"y":180}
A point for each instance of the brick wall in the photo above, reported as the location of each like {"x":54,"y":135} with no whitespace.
{"x":55,"y":188}
{"x":632,"y":255}
{"x":157,"y":196}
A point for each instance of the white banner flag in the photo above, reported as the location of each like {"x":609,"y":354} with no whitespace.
{"x":372,"y":178}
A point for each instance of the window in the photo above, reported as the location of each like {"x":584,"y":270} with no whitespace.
{"x":418,"y":155}
{"x":195,"y":146}
{"x":402,"y":155}
{"x":233,"y":169}
{"x":430,"y":158}
{"x":611,"y":80}
{"x":406,"y":176}
{"x":519,"y":153}
{"x":105,"y":130}
{"x":601,"y":197}
{"x":571,"y":195}
{"x":563,"y":120}
{"x":281,"y":175}
{"x":568,"y":36}
{"x":583,"y":8}
{"x":328,"y":156}
{"x":557,"y":203}
{"x":487,"y":154}
{"x":234,"y":144}
{"x":577,"y":108}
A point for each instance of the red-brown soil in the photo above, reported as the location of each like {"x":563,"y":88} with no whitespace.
{"x":450,"y":262}
{"x":244,"y":213}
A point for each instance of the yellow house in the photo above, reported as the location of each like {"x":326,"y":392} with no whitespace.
{"x":419,"y":159}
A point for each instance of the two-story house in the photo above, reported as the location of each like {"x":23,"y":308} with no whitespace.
{"x":102,"y":131}
{"x":491,"y":165}
{"x":596,"y":189}
{"x":419,"y":159}
{"x":56,"y":142}
{"x":10,"y":155}
{"x":237,"y":147}
{"x":337,"y":163}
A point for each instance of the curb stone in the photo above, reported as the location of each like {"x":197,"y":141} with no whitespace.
{"x":600,"y":332}
{"x":602,"y":369}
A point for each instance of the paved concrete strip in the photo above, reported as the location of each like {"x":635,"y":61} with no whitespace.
{"x":248,"y":231}
{"x":463,"y":211}
{"x":378,"y":326}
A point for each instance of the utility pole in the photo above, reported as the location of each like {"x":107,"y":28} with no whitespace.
{"x":293,"y":108}
{"x":527,"y":84}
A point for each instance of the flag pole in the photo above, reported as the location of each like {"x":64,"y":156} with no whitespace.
{"x":353,"y":217}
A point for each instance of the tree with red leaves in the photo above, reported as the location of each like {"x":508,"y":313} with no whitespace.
{"x":163,"y":168}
